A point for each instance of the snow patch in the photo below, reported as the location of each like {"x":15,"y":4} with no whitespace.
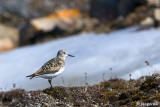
{"x":124,"y":51}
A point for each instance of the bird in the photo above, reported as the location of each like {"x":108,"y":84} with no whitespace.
{"x":52,"y":68}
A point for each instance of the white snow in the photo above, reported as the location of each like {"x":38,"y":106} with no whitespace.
{"x":124,"y":51}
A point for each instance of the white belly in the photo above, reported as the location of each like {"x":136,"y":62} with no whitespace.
{"x":50,"y":76}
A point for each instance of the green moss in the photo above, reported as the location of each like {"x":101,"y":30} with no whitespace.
{"x":139,"y":96}
{"x":150,"y":83}
{"x":144,"y":97}
{"x":135,"y":97}
{"x":157,"y":97}
{"x":56,"y":92}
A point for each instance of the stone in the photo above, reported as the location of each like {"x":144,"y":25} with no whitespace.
{"x":62,"y":22}
{"x":31,"y":8}
{"x":44,"y":105}
{"x":148,"y":21}
{"x":153,"y":2}
{"x":61,"y":18}
{"x":157,"y":14}
{"x":13,"y":11}
{"x":9,"y":38}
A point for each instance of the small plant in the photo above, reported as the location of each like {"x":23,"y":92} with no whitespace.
{"x":104,"y":77}
{"x":154,"y":69}
{"x":111,"y":72}
{"x":85,"y":81}
{"x":130,"y":77}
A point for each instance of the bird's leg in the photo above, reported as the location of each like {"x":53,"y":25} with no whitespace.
{"x":50,"y":82}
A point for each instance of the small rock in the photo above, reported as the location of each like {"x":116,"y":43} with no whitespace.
{"x":109,"y":89}
{"x":45,"y":105}
{"x":95,"y":106}
{"x":148,"y":21}
{"x":9,"y":38}
{"x":61,"y":17}
{"x":61,"y":23}
{"x":157,"y":14}
{"x":153,"y":2}
{"x":14,"y":100}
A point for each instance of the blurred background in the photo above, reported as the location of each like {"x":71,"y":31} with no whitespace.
{"x":96,"y":31}
{"x":29,"y":21}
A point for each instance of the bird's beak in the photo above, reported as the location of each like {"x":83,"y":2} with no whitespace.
{"x":71,"y":55}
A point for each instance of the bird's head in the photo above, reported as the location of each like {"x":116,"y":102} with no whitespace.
{"x":63,"y":54}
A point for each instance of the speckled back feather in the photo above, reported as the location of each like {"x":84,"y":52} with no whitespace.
{"x":50,"y":67}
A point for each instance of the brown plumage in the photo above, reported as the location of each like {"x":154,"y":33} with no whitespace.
{"x":50,"y":67}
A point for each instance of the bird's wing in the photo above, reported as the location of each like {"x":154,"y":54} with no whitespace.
{"x":52,"y":66}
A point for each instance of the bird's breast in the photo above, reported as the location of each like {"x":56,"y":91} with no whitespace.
{"x":50,"y":76}
{"x":60,"y":71}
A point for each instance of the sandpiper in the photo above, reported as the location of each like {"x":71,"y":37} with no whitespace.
{"x":52,"y":68}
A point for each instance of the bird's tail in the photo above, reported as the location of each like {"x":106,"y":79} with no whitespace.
{"x":31,"y":76}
